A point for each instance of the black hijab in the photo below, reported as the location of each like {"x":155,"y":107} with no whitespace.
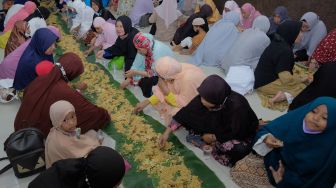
{"x":288,"y":31}
{"x":127,"y":23}
{"x":278,"y":56}
{"x":40,"y":12}
{"x":321,"y":86}
{"x":231,"y":118}
{"x":102,"y":168}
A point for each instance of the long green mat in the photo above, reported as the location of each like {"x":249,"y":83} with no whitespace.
{"x":135,"y":177}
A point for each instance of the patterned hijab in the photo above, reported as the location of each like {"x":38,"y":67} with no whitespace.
{"x":141,"y":40}
{"x":326,"y":50}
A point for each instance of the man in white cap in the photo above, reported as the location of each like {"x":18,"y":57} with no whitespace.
{"x":194,"y":42}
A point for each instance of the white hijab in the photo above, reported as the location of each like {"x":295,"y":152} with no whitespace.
{"x":232,"y":6}
{"x":249,"y":46}
{"x":168,"y":11}
{"x":217,"y":41}
{"x":13,"y":10}
{"x":84,"y":16}
{"x":317,"y":31}
{"x":243,"y":57}
{"x":35,"y":24}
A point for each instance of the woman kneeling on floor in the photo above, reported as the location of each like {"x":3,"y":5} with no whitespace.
{"x":177,"y":86}
{"x":218,"y":117}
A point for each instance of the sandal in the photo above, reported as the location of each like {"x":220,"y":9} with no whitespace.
{"x":195,"y":140}
{"x":7,"y":95}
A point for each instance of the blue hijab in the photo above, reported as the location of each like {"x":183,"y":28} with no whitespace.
{"x":309,"y":159}
{"x":282,"y":12}
{"x":33,"y":54}
{"x":217,"y":41}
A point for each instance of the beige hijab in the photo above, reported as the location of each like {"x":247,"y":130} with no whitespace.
{"x":60,"y":145}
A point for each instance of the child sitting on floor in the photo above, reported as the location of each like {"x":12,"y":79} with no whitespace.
{"x":194,"y":42}
{"x":64,"y":140}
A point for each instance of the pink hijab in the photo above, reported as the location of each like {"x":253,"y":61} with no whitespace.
{"x":248,"y":8}
{"x":28,"y":8}
{"x":168,"y":11}
{"x":109,"y":35}
{"x":62,"y":145}
{"x":186,"y":78}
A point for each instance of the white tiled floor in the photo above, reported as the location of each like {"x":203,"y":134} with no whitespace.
{"x":8,"y":112}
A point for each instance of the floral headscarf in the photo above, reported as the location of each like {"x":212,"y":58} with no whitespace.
{"x":145,"y":41}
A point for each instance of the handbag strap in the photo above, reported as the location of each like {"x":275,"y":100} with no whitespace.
{"x":7,"y":167}
{"x":4,"y":169}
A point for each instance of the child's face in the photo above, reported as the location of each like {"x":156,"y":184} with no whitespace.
{"x":316,"y":120}
{"x":70,"y":122}
{"x":195,"y":27}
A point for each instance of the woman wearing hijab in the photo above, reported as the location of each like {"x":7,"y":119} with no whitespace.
{"x":249,"y":14}
{"x":103,"y":167}
{"x":12,"y":11}
{"x":40,"y":48}
{"x":63,"y":142}
{"x":186,"y":30}
{"x":280,"y":15}
{"x":124,"y":45}
{"x":215,"y":14}
{"x":46,"y":90}
{"x":141,"y":7}
{"x":9,"y":64}
{"x":107,"y":35}
{"x":17,"y":37}
{"x":314,"y":30}
{"x":177,"y":86}
{"x":274,"y":73}
{"x":231,"y":6}
{"x":288,"y":145}
{"x":218,"y":41}
{"x":143,"y":71}
{"x":222,"y":117}
{"x":167,"y":18}
{"x":100,"y":11}
{"x":244,"y":55}
{"x":319,"y":87}
{"x":82,"y":22}
{"x":28,"y":8}
{"x":325,"y":51}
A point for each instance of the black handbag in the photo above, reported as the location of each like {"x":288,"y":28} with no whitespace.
{"x":25,"y":151}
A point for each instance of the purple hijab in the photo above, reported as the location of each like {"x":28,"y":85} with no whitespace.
{"x":141,"y":7}
{"x":9,"y":64}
